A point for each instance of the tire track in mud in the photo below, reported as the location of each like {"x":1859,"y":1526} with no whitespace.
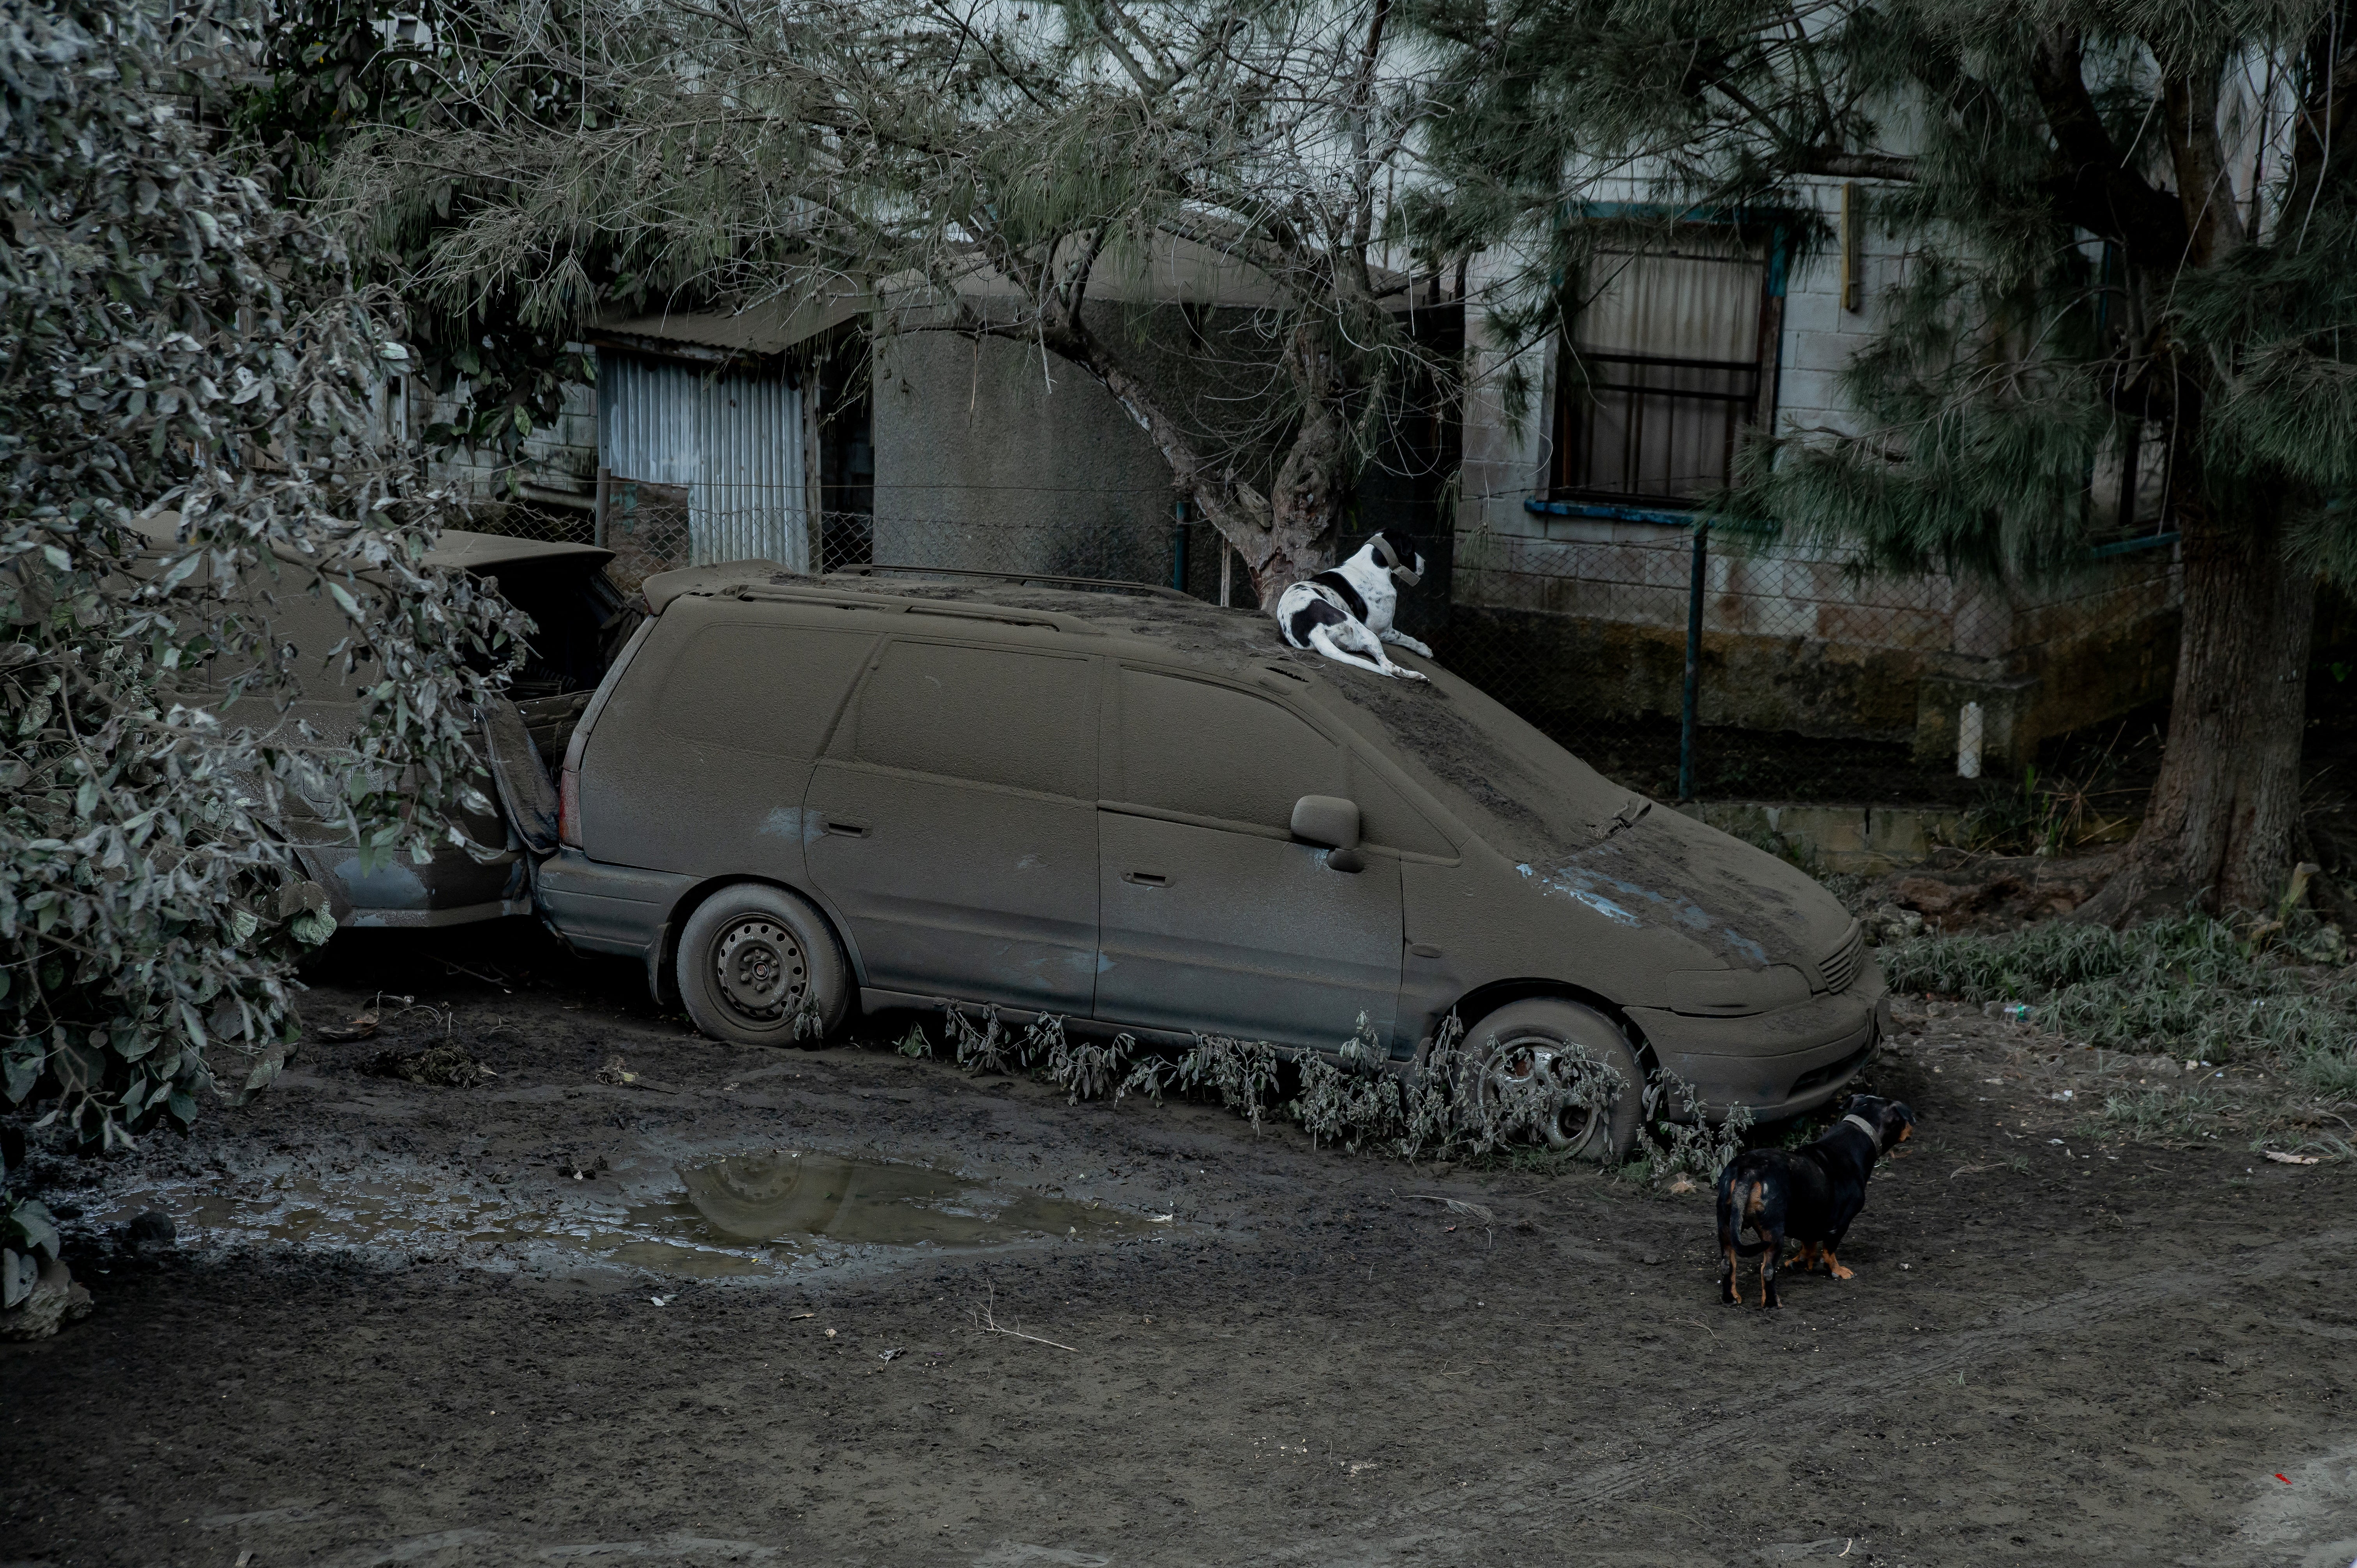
{"x":1521,"y":1496}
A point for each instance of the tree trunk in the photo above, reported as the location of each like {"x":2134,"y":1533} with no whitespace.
{"x":1302,"y":507}
{"x":1307,"y":498}
{"x":2224,"y":819}
{"x":1282,"y":538}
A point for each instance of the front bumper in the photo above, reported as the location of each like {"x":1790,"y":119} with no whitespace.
{"x":1774,"y":1064}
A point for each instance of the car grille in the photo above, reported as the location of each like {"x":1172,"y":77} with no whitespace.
{"x":1837,"y":1072}
{"x":1840,"y":967}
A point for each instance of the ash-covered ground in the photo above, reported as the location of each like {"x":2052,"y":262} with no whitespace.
{"x":545,"y":1315}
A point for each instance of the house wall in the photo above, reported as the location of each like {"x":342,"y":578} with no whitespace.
{"x":988,"y":461}
{"x":560,"y":457}
{"x":992,"y":456}
{"x":1587,"y":616}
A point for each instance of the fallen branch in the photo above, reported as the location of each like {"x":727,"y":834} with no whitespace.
{"x":986,"y":1320}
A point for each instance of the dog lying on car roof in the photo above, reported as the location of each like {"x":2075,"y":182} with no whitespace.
{"x":1346,"y":614}
{"x":1810,"y":1194}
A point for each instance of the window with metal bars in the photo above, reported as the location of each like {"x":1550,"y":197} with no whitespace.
{"x":1666,"y":361}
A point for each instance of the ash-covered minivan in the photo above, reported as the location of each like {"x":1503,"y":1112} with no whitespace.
{"x":792,"y":796}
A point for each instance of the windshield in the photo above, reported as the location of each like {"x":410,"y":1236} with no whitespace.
{"x":1527,"y":797}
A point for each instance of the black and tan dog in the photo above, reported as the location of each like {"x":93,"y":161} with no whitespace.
{"x":1810,"y":1194}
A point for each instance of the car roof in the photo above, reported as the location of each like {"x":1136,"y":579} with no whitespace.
{"x":1522,"y":791}
{"x":457,"y":547}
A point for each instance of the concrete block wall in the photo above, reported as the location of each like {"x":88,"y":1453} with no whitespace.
{"x":561,"y":457}
{"x":988,"y":460}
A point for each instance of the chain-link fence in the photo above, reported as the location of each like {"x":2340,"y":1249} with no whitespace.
{"x":1686,"y":665}
{"x":1680,"y":665}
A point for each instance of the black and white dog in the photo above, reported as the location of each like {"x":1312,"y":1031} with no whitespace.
{"x":1346,"y":614}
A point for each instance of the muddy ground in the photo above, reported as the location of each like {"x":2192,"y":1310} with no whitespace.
{"x":399,"y":1327}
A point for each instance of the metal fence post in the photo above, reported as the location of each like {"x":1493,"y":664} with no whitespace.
{"x":1178,"y":544}
{"x":1694,"y":665}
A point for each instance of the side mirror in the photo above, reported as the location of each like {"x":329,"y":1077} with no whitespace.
{"x":1333,"y":822}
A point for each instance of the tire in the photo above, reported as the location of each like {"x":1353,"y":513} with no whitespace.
{"x":759,"y":966}
{"x":1537,"y":1039}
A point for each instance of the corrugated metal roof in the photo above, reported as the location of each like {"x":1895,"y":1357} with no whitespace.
{"x":758,"y":331}
{"x":1167,"y":270}
{"x":458,"y":548}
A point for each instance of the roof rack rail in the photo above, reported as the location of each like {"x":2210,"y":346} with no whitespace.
{"x":1110,"y":585}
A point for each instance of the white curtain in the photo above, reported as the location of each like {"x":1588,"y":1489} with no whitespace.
{"x":1663,"y":368}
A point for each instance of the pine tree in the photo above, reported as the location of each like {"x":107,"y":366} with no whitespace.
{"x":2084,"y":258}
{"x":723,"y":156}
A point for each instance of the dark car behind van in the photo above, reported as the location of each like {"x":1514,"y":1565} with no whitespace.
{"x":579,"y":618}
{"x":1134,"y":810}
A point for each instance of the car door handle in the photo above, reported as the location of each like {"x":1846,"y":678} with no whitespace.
{"x":1145,"y":878}
{"x":848,"y":830}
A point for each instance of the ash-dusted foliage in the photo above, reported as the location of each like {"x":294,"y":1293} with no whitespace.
{"x":2191,"y":986}
{"x":1446,"y":1105}
{"x":170,"y":340}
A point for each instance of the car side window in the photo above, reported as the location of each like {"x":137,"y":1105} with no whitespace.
{"x":768,"y":690}
{"x":1188,"y":746}
{"x":993,"y":716}
{"x":1385,"y":817}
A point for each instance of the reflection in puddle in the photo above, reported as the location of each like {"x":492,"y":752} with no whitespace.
{"x":766,"y":1198}
{"x":744,"y":1215}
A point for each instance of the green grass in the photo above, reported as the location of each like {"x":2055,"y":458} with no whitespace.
{"x":2189,"y":987}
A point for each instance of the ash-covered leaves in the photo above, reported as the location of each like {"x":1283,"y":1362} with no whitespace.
{"x":192,"y":397}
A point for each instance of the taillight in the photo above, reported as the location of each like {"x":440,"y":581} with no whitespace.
{"x":568,"y":788}
{"x":568,"y":809}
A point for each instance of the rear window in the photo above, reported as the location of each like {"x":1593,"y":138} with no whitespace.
{"x":993,"y":716}
{"x":768,"y":690}
{"x":1209,"y":751}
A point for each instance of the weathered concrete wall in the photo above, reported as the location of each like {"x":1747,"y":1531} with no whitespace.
{"x":561,"y":458}
{"x":989,"y":458}
{"x":1859,"y":840}
{"x":986,"y":459}
{"x":1616,"y":651}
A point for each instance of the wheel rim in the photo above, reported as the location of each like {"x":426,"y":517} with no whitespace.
{"x":1523,"y":1066}
{"x":759,"y":969}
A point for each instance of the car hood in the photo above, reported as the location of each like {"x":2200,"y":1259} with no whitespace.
{"x":1572,"y":834}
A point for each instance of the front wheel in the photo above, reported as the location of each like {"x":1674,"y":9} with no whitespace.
{"x":1570,"y":1059}
{"x":759,"y":966}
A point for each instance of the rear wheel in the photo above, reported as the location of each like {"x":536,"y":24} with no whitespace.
{"x":760,"y":967}
{"x":1525,"y":1048}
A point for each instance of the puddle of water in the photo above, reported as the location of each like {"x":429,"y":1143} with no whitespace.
{"x":768,"y":1198}
{"x":743,"y":1215}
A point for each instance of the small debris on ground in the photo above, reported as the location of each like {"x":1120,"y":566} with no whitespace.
{"x":439,"y":1067}
{"x":1459,"y":1206}
{"x":359,"y":1027}
{"x":2282,"y":1158}
{"x":150,"y":1232}
{"x":892,"y":1354}
{"x":618,"y":1072}
{"x":56,"y":1300}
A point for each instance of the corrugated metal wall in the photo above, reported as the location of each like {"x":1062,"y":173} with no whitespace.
{"x":734,"y":441}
